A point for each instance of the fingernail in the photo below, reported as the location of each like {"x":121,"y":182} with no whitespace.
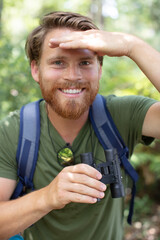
{"x":52,"y":40}
{"x":99,"y":175}
{"x":103,"y":187}
{"x":62,"y":44}
{"x":94,"y":200}
{"x":101,"y":194}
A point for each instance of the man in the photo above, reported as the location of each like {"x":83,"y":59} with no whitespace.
{"x":65,"y":54}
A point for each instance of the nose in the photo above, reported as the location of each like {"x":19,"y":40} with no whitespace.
{"x":72,"y":73}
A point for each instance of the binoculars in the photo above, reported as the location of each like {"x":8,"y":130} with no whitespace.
{"x":110,"y":170}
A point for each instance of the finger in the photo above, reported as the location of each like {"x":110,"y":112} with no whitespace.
{"x":53,"y":45}
{"x":57,"y":41}
{"x":76,"y":44}
{"x":84,"y":169}
{"x":87,"y":181}
{"x":80,"y":198}
{"x":66,"y":43}
{"x":66,"y":38}
{"x":84,"y":190}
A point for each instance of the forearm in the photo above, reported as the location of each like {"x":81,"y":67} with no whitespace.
{"x":79,"y":183}
{"x":17,"y":215}
{"x":115,"y":44}
{"x":148,"y":60}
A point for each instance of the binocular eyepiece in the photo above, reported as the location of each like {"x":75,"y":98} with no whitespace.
{"x":110,"y":170}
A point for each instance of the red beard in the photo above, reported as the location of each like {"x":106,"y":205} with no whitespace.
{"x":71,"y":108}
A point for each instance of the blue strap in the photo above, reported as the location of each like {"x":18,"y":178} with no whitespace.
{"x":134,"y":176}
{"x":28,"y":146}
{"x":103,"y":125}
{"x":16,"y":237}
{"x":131,"y":208}
{"x":109,"y":137}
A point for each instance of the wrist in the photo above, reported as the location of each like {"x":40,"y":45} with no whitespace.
{"x":41,"y":201}
{"x":134,"y":46}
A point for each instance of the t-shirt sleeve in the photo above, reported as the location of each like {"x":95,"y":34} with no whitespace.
{"x":128,"y":113}
{"x":9,"y":132}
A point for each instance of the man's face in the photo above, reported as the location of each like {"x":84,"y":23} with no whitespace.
{"x":69,"y":79}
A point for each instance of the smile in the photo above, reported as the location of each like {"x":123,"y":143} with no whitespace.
{"x":71,"y":91}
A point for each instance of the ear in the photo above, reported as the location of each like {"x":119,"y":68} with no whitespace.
{"x":100,"y":72}
{"x":35,"y":71}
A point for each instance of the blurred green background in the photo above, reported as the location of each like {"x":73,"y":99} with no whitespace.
{"x":120,"y":76}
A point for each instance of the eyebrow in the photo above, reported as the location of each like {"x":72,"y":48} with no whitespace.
{"x":50,"y":60}
{"x":61,"y":57}
{"x":87,"y":58}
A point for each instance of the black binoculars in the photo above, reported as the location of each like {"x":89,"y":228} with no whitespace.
{"x":110,"y":170}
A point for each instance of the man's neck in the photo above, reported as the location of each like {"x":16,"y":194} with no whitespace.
{"x":67,"y":128}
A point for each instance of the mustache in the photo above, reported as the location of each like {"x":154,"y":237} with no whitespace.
{"x":69,"y":84}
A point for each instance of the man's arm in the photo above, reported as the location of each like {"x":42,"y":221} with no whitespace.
{"x":148,"y":60}
{"x":6,"y":184}
{"x":17,"y":215}
{"x":121,"y":44}
{"x":115,"y":44}
{"x":79,"y":183}
{"x":151,"y":122}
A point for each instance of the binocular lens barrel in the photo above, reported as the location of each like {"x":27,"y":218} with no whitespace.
{"x":117,"y":190}
{"x":87,"y":158}
{"x":109,"y":153}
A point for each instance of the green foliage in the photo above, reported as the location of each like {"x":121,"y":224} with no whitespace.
{"x":16,"y":85}
{"x":117,"y":76}
{"x":120,"y":76}
{"x":155,"y":13}
{"x":68,"y":5}
{"x":146,"y":220}
{"x":144,"y":203}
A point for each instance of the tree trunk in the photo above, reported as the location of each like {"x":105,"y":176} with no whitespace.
{"x":1,"y":7}
{"x":96,"y":12}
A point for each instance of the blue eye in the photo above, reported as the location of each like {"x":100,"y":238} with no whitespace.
{"x":58,"y":63}
{"x":84,"y":63}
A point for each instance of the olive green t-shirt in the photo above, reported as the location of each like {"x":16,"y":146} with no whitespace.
{"x":102,"y":220}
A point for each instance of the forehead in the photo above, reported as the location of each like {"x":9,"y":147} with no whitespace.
{"x":60,"y":33}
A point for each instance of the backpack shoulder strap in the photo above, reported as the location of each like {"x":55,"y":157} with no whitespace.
{"x":109,"y":137}
{"x":104,"y":126}
{"x":28,"y":146}
{"x":16,"y":237}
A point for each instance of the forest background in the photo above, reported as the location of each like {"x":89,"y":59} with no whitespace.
{"x":120,"y":76}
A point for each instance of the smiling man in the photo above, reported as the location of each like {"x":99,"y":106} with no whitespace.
{"x":66,"y":54}
{"x":69,"y":79}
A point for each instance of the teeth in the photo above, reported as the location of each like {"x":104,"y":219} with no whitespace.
{"x":71,"y":91}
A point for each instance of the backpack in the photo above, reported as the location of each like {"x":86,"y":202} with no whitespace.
{"x":103,"y":125}
{"x":16,"y":237}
